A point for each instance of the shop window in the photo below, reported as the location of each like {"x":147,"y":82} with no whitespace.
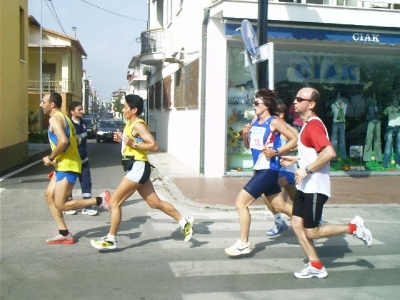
{"x":240,"y":111}
{"x":365,"y":84}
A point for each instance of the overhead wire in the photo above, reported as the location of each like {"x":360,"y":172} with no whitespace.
{"x":111,"y":12}
{"x":55,"y":15}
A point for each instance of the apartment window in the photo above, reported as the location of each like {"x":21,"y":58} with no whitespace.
{"x":22,"y":41}
{"x":49,"y":76}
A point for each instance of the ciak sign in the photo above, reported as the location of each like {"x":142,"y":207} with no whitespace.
{"x":366,"y":37}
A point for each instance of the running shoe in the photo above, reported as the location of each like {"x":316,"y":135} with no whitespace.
{"x":89,"y":211}
{"x":60,"y":239}
{"x":104,"y":243}
{"x":362,"y":232}
{"x":69,"y":212}
{"x":239,"y":248}
{"x":188,"y":229}
{"x":309,"y":271}
{"x":277,"y":229}
{"x":106,"y":196}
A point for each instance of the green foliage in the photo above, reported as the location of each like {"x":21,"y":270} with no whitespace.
{"x":38,"y":137}
{"x":118,"y":106}
{"x":33,"y":119}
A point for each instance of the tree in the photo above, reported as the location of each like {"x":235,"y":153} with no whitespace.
{"x":118,"y":106}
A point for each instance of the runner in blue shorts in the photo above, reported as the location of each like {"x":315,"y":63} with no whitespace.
{"x":263,"y":138}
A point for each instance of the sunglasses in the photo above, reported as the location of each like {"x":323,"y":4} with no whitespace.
{"x":256,"y":103}
{"x":301,"y":99}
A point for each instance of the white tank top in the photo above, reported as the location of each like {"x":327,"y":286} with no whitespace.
{"x":318,"y":181}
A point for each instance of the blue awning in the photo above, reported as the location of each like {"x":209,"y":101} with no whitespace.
{"x":323,"y":34}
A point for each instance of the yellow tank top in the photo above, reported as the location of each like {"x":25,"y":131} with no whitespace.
{"x":129,"y":151}
{"x":69,"y":160}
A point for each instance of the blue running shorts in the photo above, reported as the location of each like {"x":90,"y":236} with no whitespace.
{"x":71,"y":176}
{"x":288,"y":175}
{"x":263,"y":182}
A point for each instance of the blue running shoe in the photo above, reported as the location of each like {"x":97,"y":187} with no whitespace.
{"x":277,"y":229}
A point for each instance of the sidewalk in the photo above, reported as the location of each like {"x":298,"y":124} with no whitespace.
{"x":188,"y":187}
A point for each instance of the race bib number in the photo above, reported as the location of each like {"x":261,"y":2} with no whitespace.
{"x":257,"y":138}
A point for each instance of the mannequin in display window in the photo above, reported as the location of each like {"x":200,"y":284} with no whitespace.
{"x":339,"y":126}
{"x":373,"y":137}
{"x":392,"y":135}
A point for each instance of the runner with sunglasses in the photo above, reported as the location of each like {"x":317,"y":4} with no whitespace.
{"x":262,"y":136}
{"x":313,"y":186}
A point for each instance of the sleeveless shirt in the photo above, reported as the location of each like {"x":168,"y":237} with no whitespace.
{"x":130,"y":151}
{"x":69,"y":160}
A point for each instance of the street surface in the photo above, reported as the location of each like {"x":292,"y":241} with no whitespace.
{"x":153,"y":262}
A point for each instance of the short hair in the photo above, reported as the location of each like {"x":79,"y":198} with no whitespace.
{"x":315,"y":96}
{"x":135,"y":101}
{"x":74,"y":104}
{"x":282,"y":108}
{"x":270,"y":100}
{"x":56,"y":99}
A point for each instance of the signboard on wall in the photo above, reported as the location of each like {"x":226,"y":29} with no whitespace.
{"x":323,"y":70}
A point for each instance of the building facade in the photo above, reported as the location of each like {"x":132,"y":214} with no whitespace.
{"x":200,"y":90}
{"x":62,"y":68}
{"x":13,"y":83}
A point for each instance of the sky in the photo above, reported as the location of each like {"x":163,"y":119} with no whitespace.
{"x":106,"y":29}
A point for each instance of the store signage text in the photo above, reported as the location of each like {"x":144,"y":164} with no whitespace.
{"x":327,"y":70}
{"x":366,"y":37}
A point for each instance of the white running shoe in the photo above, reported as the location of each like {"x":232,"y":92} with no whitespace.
{"x":239,"y":248}
{"x":309,"y":271}
{"x":69,"y":212}
{"x":188,"y":229}
{"x":89,"y":211}
{"x":104,"y":243}
{"x":362,"y":232}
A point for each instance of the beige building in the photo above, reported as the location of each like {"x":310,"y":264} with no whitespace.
{"x":13,"y":83}
{"x":61,"y":67}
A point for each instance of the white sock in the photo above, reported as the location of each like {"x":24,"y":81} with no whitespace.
{"x":110,"y":237}
{"x":182,"y":222}
{"x":278,"y":218}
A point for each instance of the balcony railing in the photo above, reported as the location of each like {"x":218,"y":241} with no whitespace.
{"x":48,"y":86}
{"x":152,"y":41}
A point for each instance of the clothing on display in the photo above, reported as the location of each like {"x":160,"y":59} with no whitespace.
{"x":392,"y":135}
{"x":373,"y":147}
{"x":339,"y":126}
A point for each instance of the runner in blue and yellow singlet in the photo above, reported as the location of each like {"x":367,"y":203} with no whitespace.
{"x":65,"y":159}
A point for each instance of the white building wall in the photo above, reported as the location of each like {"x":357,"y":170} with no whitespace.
{"x":216,"y":100}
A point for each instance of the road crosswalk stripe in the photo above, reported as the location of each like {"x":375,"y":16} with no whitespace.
{"x":374,"y":292}
{"x":281,"y":265}
{"x":282,"y":242}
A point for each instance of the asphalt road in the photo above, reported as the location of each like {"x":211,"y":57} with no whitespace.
{"x":152,"y":261}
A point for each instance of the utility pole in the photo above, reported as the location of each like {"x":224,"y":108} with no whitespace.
{"x":262,"y":25}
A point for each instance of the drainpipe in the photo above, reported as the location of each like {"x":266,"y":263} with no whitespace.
{"x":203,"y":86}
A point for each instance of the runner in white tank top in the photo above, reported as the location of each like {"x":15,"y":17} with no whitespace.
{"x":313,"y":186}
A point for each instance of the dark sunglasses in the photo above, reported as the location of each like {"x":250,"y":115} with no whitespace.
{"x":256,"y":103}
{"x":301,"y":99}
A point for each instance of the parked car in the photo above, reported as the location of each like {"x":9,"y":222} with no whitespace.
{"x":106,"y":129}
{"x":110,"y":114}
{"x":95,"y":117}
{"x":91,"y":127}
